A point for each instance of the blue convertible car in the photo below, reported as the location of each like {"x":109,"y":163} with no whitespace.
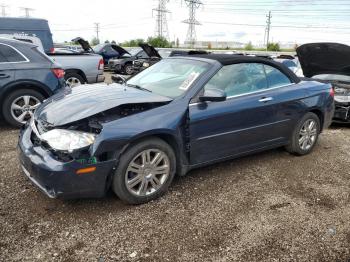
{"x":180,"y":114}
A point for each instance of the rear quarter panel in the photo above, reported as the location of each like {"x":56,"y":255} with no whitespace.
{"x":88,"y":63}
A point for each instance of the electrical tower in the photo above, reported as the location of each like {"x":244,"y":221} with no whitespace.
{"x":3,"y":10}
{"x":161,"y":20}
{"x":193,"y":5}
{"x":97,"y":28}
{"x":27,"y":11}
{"x":267,"y":30}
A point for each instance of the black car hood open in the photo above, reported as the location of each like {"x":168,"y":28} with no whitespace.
{"x":324,"y":58}
{"x":150,"y":50}
{"x":84,"y":101}
{"x":119,"y":49}
{"x":84,"y":44}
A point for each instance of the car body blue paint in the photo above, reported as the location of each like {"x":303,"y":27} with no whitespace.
{"x":204,"y":132}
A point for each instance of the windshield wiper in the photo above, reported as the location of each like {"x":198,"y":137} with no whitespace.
{"x":139,"y":87}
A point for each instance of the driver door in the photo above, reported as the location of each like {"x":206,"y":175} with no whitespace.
{"x":245,"y":122}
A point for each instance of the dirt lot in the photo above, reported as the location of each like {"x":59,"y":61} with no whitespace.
{"x":267,"y":207}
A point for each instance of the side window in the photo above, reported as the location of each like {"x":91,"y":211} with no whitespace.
{"x":11,"y":54}
{"x":275,"y":77}
{"x":142,"y":54}
{"x":238,"y":79}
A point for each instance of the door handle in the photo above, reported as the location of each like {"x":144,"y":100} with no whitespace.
{"x":265,"y":99}
{"x":4,"y":76}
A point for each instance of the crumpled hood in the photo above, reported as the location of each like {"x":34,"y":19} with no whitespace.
{"x":324,"y":58}
{"x":73,"y":104}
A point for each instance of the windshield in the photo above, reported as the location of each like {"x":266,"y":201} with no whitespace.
{"x":98,"y":48}
{"x":134,"y":51}
{"x":170,"y":77}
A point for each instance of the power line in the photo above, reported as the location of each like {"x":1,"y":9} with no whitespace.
{"x":161,"y":19}
{"x":27,"y":11}
{"x":3,"y":10}
{"x":97,"y":28}
{"x":192,"y":5}
{"x":268,"y":26}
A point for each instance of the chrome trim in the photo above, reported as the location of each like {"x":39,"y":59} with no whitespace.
{"x":240,"y":130}
{"x":26,"y":59}
{"x":250,"y":93}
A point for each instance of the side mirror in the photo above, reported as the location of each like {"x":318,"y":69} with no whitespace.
{"x":213,"y":95}
{"x":118,"y":79}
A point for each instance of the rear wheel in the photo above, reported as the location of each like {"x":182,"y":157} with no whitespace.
{"x":20,"y":105}
{"x":144,"y":172}
{"x":305,"y":135}
{"x":74,"y":79}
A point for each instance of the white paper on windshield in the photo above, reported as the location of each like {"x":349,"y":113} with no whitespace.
{"x":189,"y":80}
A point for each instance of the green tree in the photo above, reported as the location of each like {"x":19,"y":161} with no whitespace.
{"x":248,"y":46}
{"x":107,"y":42}
{"x":114,"y":42}
{"x":133,"y":42}
{"x":158,"y":41}
{"x":273,"y":47}
{"x":94,"y":41}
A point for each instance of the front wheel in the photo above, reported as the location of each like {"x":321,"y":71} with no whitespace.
{"x":305,"y":135}
{"x":144,"y":172}
{"x":129,"y":69}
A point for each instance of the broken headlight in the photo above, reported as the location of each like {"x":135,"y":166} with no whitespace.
{"x":68,"y":140}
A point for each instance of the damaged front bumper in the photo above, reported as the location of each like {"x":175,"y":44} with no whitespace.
{"x":60,"y":179}
{"x":342,"y":109}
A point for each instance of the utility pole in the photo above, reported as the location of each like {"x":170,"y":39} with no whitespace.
{"x":268,"y":26}
{"x":97,"y":28}
{"x":161,"y":20}
{"x":27,"y":11}
{"x":3,"y":10}
{"x":192,"y":5}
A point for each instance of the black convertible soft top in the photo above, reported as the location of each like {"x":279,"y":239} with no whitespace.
{"x":227,"y":59}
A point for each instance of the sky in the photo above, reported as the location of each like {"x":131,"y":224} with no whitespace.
{"x":298,"y":21}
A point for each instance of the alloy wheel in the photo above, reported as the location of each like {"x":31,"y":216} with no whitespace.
{"x":147,"y":172}
{"x":308,"y":134}
{"x":23,"y":107}
{"x":73,"y":81}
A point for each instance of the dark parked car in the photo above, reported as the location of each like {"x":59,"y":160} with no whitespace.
{"x":179,"y":114}
{"x":124,"y":64}
{"x":108,"y":51}
{"x":155,"y":57}
{"x":329,"y":63}
{"x":27,"y":77}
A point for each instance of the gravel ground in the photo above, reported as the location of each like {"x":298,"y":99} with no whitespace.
{"x":266,"y":207}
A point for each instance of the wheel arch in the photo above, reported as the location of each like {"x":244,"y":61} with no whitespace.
{"x":25,"y":84}
{"x":76,"y":71}
{"x":168,"y":137}
{"x":320,"y":116}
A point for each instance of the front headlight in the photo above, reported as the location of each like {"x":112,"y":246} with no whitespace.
{"x":68,"y":140}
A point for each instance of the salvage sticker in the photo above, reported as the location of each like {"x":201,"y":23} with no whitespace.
{"x":188,"y":82}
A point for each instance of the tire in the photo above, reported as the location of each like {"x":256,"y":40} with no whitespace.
{"x":19,"y":99}
{"x":128,"y":69}
{"x":74,"y":79}
{"x":296,"y":147}
{"x":123,"y":175}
